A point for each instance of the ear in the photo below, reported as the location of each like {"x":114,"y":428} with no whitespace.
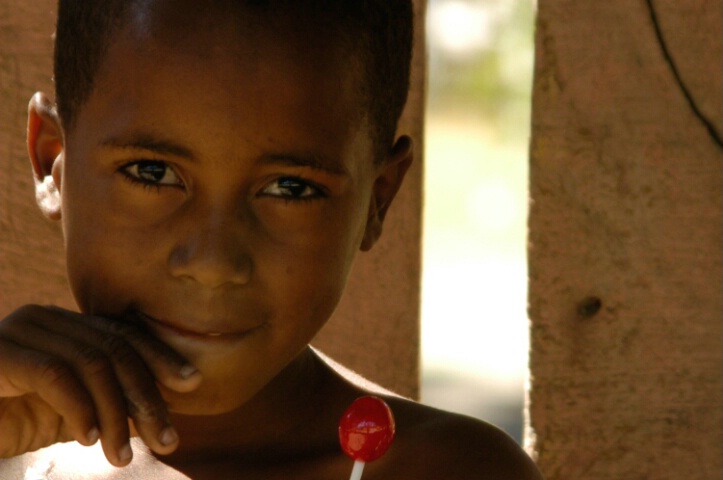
{"x":45,"y":149}
{"x":390,"y":175}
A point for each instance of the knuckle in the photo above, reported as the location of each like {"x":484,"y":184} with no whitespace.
{"x":143,"y":407}
{"x":93,"y":360}
{"x":118,"y":350}
{"x":142,"y":343}
{"x":55,"y":373}
{"x":23,"y":313}
{"x":22,"y":317}
{"x":144,"y":410}
{"x":123,"y":329}
{"x":27,"y":310}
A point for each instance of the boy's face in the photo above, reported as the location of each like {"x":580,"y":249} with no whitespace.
{"x":218,"y":183}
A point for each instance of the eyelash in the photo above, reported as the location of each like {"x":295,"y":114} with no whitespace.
{"x":317,"y":191}
{"x":136,"y":180}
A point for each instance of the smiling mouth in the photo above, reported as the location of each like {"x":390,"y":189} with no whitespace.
{"x":160,"y":326}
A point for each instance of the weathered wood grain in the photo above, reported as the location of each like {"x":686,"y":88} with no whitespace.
{"x":625,"y":241}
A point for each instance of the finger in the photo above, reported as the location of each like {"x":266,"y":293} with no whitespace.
{"x":117,"y":379}
{"x":94,"y":369}
{"x":24,"y":371}
{"x":144,"y":403}
{"x":144,"y":423}
{"x":98,"y":370}
{"x":168,"y":367}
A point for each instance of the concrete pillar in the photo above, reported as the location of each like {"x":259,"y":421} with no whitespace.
{"x":626,"y":240}
{"x":375,"y":330}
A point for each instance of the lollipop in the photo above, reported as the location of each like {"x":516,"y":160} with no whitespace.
{"x":365,"y":432}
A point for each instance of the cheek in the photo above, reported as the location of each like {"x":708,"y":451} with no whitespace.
{"x":308,"y":273}
{"x":310,"y":281}
{"x":318,"y":252}
{"x":93,"y":274}
{"x":99,"y":255}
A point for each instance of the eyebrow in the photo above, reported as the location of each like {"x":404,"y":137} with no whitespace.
{"x":151,"y":143}
{"x":309,"y":160}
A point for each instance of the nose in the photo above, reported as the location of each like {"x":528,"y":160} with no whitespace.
{"x":212,"y":252}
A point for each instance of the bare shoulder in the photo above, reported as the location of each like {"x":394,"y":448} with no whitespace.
{"x":435,"y":444}
{"x":438,"y":444}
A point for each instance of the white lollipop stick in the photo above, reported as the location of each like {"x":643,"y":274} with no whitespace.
{"x":357,"y":469}
{"x":365,"y":432}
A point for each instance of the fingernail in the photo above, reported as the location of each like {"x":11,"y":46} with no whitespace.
{"x":168,"y":436}
{"x":125,"y":453}
{"x":187,"y":371}
{"x":92,"y":436}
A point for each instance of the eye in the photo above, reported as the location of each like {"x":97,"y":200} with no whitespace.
{"x":292,"y":188}
{"x":152,"y":172}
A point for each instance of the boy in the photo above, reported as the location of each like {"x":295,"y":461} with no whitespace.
{"x":215,"y":165}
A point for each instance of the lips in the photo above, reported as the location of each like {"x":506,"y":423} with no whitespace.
{"x":165,"y":327}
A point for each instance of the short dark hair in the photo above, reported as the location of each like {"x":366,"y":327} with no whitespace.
{"x":378,"y":31}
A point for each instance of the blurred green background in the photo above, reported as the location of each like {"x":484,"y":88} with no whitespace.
{"x":474,"y":282}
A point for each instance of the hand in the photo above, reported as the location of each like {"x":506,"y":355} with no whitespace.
{"x":68,"y":376}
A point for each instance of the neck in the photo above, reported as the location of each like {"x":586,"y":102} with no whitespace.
{"x":295,"y":412}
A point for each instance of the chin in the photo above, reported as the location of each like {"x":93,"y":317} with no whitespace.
{"x":203,"y":401}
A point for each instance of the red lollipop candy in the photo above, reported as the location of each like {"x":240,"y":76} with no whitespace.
{"x":365,"y":431}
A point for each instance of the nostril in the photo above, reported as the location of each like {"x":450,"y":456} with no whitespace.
{"x":210,"y":263}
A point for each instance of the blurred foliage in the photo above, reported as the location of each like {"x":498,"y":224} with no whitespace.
{"x":490,"y":81}
{"x":474,"y":322}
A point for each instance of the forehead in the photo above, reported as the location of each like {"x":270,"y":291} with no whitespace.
{"x":226,"y":35}
{"x":233,"y":25}
{"x":231,"y":67}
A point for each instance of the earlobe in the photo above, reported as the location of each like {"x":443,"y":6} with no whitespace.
{"x":389,"y":178}
{"x":45,"y":149}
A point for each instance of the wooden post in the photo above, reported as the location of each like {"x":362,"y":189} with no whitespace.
{"x":626,"y":241}
{"x":375,"y":330}
{"x":31,"y":259}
